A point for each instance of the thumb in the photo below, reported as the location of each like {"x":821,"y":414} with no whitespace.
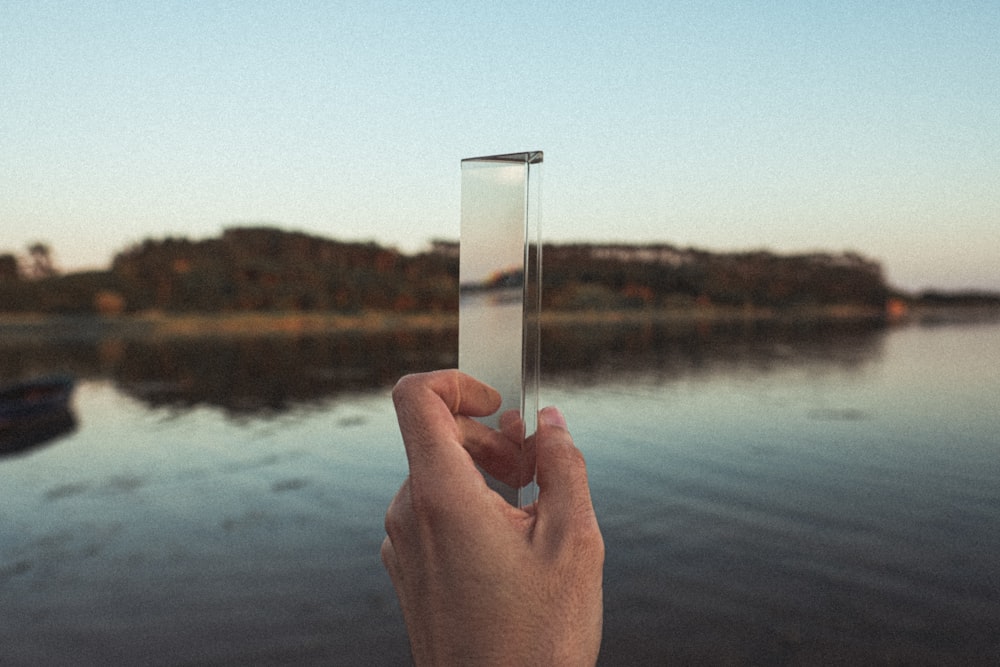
{"x":563,"y":490}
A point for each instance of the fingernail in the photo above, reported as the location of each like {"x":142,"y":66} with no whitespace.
{"x":551,"y":416}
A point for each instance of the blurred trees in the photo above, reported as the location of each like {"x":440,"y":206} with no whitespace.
{"x":268,"y":269}
{"x":41,"y":264}
{"x":37,"y":266}
{"x":640,"y":276}
{"x":9,"y":271}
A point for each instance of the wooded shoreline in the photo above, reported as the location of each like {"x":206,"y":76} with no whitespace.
{"x":263,"y":281}
{"x":22,"y":328}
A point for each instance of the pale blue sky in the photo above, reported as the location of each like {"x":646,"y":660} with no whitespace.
{"x":866,"y":126}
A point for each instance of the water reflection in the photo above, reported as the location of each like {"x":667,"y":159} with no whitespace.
{"x":241,"y":375}
{"x":34,"y":412}
{"x":20,"y":438}
{"x":665,"y":352}
{"x":268,"y":375}
{"x":769,"y":494}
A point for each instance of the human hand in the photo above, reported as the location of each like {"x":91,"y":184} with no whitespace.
{"x":481,"y":582}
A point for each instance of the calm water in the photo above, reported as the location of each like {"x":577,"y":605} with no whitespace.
{"x":797,"y":496}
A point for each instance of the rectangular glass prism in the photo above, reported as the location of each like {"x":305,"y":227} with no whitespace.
{"x":500,"y":286}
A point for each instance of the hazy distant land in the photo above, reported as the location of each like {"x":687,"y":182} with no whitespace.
{"x":261,"y":280}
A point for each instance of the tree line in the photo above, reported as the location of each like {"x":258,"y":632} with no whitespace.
{"x":269,"y":269}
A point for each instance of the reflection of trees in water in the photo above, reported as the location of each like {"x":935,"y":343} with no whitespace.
{"x":271,"y":374}
{"x":264,"y":375}
{"x":670,"y":351}
{"x":243,"y":375}
{"x":23,"y":436}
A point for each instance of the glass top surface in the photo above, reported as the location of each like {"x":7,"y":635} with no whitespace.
{"x":529,"y":157}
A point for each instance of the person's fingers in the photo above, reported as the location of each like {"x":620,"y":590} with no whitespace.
{"x":504,"y":454}
{"x":462,"y":394}
{"x":564,"y":503}
{"x":388,"y":557}
{"x":512,"y":426}
{"x":427,"y":405}
{"x":397,"y":517}
{"x":401,"y":530}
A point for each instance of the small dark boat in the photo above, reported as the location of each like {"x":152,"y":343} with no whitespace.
{"x":32,"y":398}
{"x":35,"y":411}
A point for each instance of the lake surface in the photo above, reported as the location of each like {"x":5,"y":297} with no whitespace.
{"x":768,"y":495}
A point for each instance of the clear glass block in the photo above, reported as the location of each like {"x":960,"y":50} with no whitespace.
{"x":500,"y":287}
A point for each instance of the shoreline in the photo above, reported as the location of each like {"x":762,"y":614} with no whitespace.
{"x":25,"y":327}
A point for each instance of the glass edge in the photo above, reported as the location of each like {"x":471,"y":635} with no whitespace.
{"x":531,"y":316}
{"x":527,"y":157}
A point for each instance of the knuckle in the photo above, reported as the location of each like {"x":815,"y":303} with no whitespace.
{"x":385,"y":552}
{"x":395,"y":520}
{"x":392,"y":521}
{"x":595,"y":545}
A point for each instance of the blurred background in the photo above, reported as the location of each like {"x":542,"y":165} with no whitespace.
{"x":770,"y":314}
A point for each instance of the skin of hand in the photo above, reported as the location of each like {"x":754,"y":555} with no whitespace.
{"x":481,"y":582}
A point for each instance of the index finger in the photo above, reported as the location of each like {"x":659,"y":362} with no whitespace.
{"x":427,"y":408}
